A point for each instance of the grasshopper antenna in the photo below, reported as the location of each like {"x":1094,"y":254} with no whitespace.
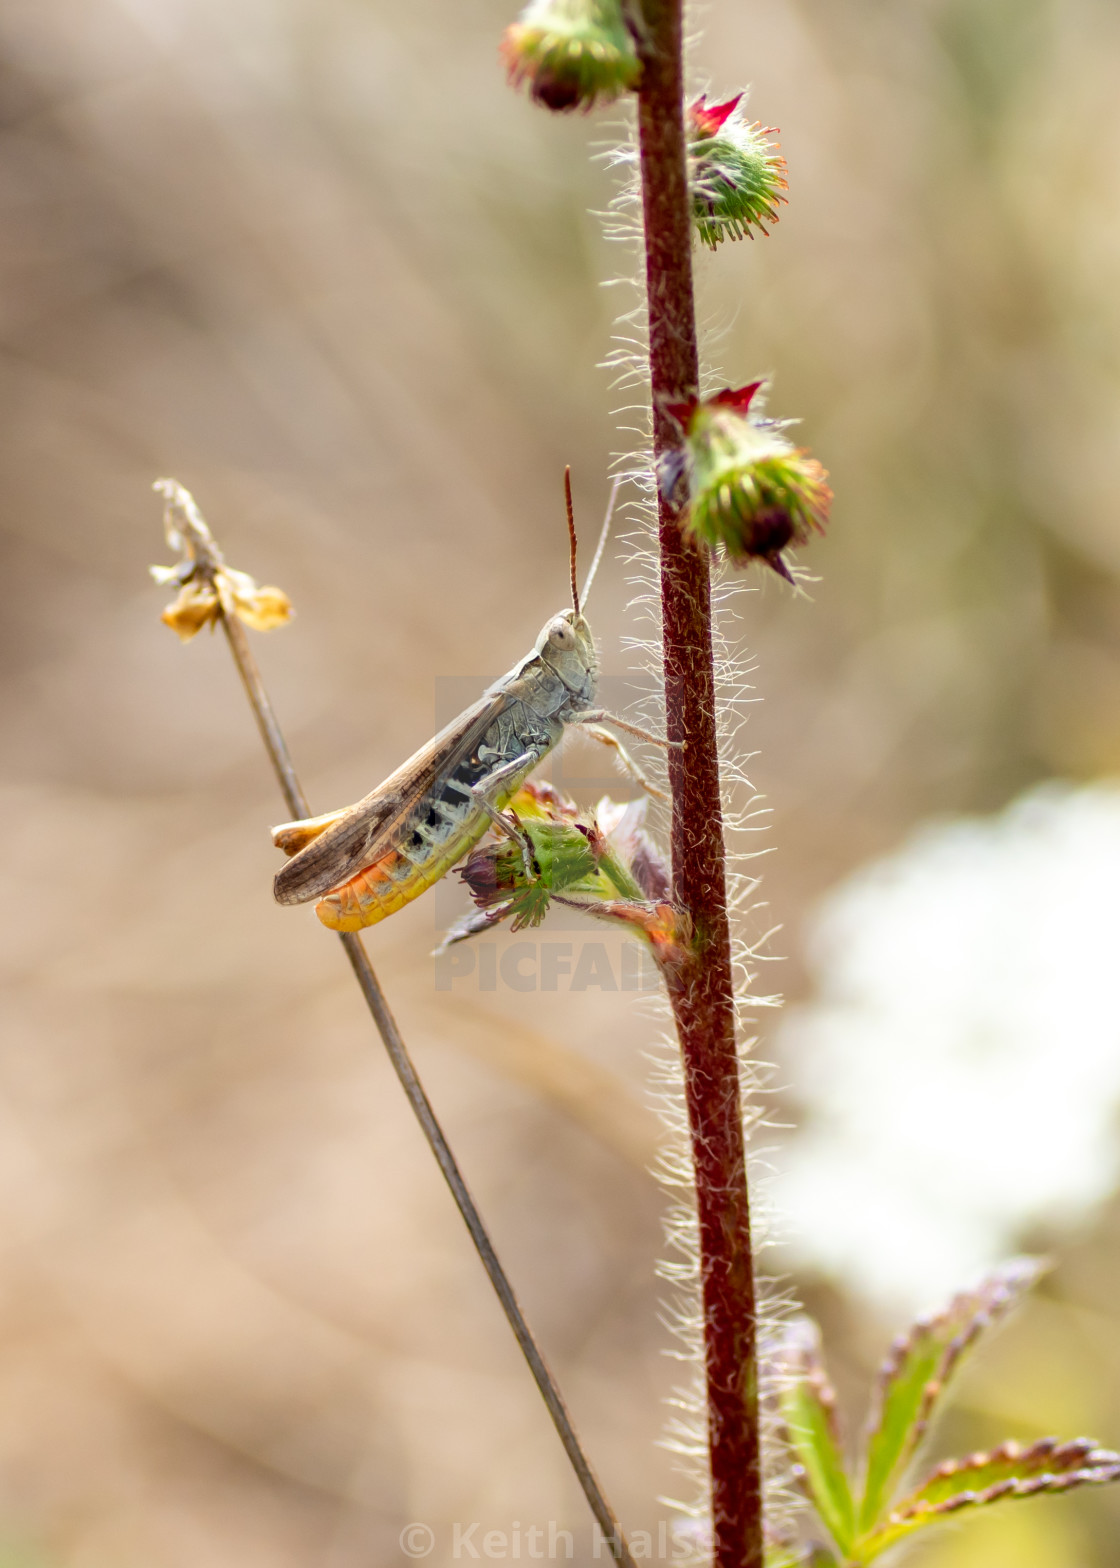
{"x":571,"y":532}
{"x":602,"y":545}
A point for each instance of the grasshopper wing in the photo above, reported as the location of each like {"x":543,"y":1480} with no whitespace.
{"x":355,"y":838}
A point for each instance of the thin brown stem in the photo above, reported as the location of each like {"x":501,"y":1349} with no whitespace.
{"x":701,"y":991}
{"x":208,"y":558}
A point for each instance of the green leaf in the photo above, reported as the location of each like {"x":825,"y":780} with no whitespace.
{"x":798,"y":1557}
{"x":1008,"y":1471}
{"x":808,"y":1407}
{"x":916,"y":1371}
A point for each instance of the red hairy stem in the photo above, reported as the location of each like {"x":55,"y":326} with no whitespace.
{"x":701,"y":991}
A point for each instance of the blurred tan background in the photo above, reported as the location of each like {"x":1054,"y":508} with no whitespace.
{"x":313,"y":259}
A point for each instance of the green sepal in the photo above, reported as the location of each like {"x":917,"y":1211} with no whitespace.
{"x":616,"y":876}
{"x":529,"y":906}
{"x":561,"y":861}
{"x":562,"y":854}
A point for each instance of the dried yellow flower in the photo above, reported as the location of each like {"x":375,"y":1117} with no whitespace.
{"x":208,"y":588}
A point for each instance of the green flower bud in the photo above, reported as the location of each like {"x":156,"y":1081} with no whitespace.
{"x":573,"y":53}
{"x":737,"y":176}
{"x":751,"y":492}
{"x":607,"y":867}
{"x":561,"y":859}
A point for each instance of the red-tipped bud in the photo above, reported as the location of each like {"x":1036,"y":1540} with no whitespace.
{"x":736,"y":175}
{"x":573,"y":54}
{"x":708,"y":119}
{"x":750,"y":492}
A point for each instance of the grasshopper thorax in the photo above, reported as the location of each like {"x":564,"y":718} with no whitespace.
{"x":566,"y":645}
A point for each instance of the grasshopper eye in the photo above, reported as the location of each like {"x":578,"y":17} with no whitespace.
{"x":561,"y":636}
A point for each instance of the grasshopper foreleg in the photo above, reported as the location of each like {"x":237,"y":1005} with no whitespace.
{"x":601,"y":716}
{"x":597,"y":732}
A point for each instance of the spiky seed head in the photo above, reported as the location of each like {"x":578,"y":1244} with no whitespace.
{"x":750,"y":492}
{"x":736,"y":173}
{"x":574,"y":54}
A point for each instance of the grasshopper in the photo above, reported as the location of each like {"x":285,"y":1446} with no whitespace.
{"x":368,"y":860}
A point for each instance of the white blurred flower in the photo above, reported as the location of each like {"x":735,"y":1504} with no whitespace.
{"x":961,"y":1067}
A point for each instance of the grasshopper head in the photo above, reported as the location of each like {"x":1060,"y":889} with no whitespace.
{"x":567,"y":646}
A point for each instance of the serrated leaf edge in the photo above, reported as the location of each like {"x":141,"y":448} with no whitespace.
{"x":1079,"y":1462}
{"x":994,"y":1297}
{"x":1009,"y":1292}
